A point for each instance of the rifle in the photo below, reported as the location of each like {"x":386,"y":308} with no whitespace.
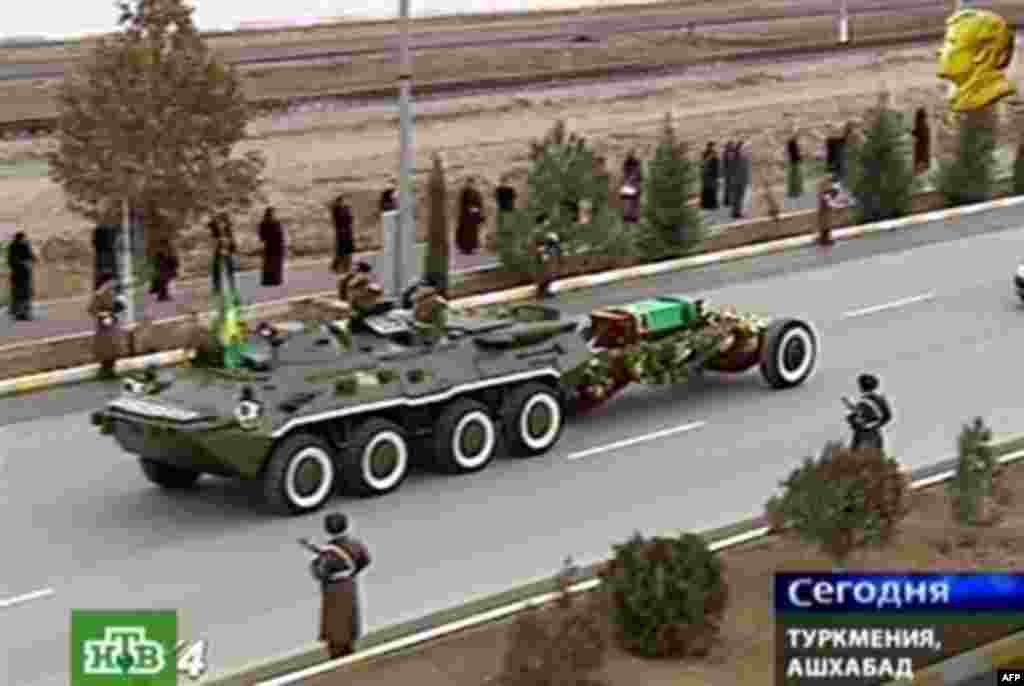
{"x":322,"y":568}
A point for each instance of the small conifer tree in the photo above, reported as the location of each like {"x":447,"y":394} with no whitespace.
{"x":669,"y":225}
{"x":437,"y":263}
{"x":976,"y":473}
{"x":563,"y":173}
{"x":881,"y":176}
{"x":969,"y":177}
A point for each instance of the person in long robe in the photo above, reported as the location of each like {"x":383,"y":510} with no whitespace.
{"x":742,"y":177}
{"x":471,"y":217}
{"x":341,"y":622}
{"x":795,"y":172}
{"x":728,"y":172}
{"x":344,"y":238}
{"x":225,"y":254}
{"x":389,"y":198}
{"x":272,"y":237}
{"x":922,"y":142}
{"x":632,"y":170}
{"x":21,"y":261}
{"x":710,"y":173}
{"x":165,"y":270}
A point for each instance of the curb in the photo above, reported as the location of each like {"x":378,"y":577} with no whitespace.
{"x":89,"y":372}
{"x":384,"y":642}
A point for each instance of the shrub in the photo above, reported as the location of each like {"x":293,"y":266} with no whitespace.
{"x":969,"y":177}
{"x":416,"y":375}
{"x":881,"y":174}
{"x":436,"y":265}
{"x":669,"y":225}
{"x":346,"y":386}
{"x":666,"y":596}
{"x":564,"y":644}
{"x":844,"y":501}
{"x":564,"y":171}
{"x":386,"y":376}
{"x":976,"y":474}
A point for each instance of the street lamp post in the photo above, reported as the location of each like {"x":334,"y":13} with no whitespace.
{"x":406,"y":230}
{"x":128,"y":271}
{"x":844,"y":22}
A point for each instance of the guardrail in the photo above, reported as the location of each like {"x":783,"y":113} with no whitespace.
{"x":603,"y":73}
{"x":312,"y":660}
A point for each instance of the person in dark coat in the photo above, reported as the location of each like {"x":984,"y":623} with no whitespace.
{"x":742,"y":178}
{"x":272,"y":237}
{"x":632,"y":170}
{"x":344,"y":238}
{"x":795,"y":172}
{"x":833,"y":145}
{"x":106,"y":308}
{"x":165,"y":264}
{"x":505,"y":195}
{"x":389,"y":198}
{"x":868,"y":415}
{"x":105,"y":239}
{"x":471,"y":216}
{"x":21,"y":261}
{"x":225,"y":253}
{"x":728,"y":172}
{"x":710,"y":173}
{"x":337,"y":568}
{"x":922,"y":142}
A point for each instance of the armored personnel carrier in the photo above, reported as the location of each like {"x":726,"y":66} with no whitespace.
{"x":351,"y":405}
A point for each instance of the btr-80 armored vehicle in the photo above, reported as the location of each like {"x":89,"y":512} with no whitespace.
{"x":352,"y":404}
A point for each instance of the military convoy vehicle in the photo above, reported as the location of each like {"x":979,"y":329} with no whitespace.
{"x":352,"y":405}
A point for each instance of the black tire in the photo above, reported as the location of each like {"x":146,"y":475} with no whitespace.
{"x":516,"y":414}
{"x":789,"y":353}
{"x":283,"y":489}
{"x":168,"y":476}
{"x":466,"y":438}
{"x":357,"y":466}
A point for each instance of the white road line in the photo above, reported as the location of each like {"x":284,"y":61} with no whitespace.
{"x":19,"y":599}
{"x":889,"y":305}
{"x":634,"y":441}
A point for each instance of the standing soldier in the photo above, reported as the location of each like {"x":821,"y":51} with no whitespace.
{"x":868,"y":415}
{"x":106,"y":309}
{"x":337,"y":567}
{"x":548,"y":248}
{"x":344,"y":238}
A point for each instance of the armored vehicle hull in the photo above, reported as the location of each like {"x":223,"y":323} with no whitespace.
{"x":352,"y":407}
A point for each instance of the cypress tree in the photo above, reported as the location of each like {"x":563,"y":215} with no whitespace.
{"x":970,"y":176}
{"x":881,"y":174}
{"x":436,"y":265}
{"x":669,"y":225}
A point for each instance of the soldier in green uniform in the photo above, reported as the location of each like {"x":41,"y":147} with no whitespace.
{"x":359,"y":289}
{"x":430,"y":313}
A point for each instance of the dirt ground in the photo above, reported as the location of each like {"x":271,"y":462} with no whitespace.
{"x":928,"y":540}
{"x":315,"y":152}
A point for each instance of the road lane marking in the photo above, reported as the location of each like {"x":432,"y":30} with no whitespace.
{"x":19,"y":599}
{"x":889,"y":305}
{"x":633,"y":441}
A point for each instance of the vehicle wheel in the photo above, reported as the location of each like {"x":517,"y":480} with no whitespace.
{"x":789,"y":353}
{"x":377,"y":459}
{"x":300,"y":475}
{"x":466,"y":439}
{"x":168,"y":476}
{"x":532,"y":419}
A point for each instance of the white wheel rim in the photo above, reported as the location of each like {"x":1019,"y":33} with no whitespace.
{"x":385,"y":483}
{"x":797,"y":333}
{"x":319,"y":456}
{"x":478,"y":418}
{"x":548,"y":437}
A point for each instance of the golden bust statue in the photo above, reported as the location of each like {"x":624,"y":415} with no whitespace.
{"x":976,"y":52}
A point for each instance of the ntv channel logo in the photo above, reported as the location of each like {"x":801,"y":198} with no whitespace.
{"x":122,"y":647}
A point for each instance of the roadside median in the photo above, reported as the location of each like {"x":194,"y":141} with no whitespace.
{"x":68,"y":359}
{"x":382,"y":650}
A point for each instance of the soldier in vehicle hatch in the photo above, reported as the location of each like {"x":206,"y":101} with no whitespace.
{"x":337,"y":566}
{"x":868,"y":415}
{"x":359,"y":289}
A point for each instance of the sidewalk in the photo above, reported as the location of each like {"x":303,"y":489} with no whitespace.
{"x":67,"y":316}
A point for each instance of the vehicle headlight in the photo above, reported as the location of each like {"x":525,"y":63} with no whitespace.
{"x":1020,"y":271}
{"x":248,"y":414}
{"x":134,"y":386}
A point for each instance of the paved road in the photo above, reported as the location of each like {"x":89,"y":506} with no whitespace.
{"x":80,"y":519}
{"x":596,"y":27}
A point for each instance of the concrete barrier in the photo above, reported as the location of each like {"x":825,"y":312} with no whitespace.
{"x":296,"y":667}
